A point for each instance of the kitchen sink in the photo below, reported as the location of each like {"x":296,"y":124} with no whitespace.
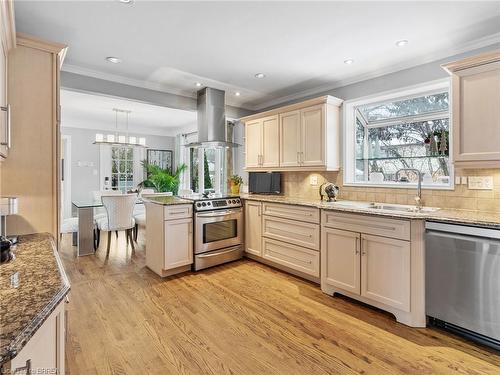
{"x":382,"y":206}
{"x":401,"y":208}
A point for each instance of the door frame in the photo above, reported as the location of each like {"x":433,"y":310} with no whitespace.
{"x":65,"y":204}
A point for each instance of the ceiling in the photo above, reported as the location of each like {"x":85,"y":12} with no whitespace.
{"x":88,"y":111}
{"x":300,"y":46}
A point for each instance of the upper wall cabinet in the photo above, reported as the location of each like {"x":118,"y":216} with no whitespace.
{"x":476,"y":110}
{"x":302,"y":136}
{"x":7,"y":42}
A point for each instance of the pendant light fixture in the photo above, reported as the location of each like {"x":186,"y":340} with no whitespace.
{"x":118,"y":139}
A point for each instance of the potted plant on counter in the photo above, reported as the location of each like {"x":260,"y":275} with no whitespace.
{"x":235,"y":182}
{"x":161,"y":179}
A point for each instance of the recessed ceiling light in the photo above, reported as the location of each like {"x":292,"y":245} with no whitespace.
{"x":114,"y":60}
{"x":401,"y":43}
{"x":260,"y":75}
{"x":198,"y":84}
{"x":349,"y":61}
{"x":126,"y":1}
{"x":237,"y":93}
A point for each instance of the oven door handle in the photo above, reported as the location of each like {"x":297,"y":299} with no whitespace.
{"x":215,"y":253}
{"x":217,"y":214}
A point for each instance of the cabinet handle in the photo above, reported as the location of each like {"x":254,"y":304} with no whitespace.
{"x":26,"y":368}
{"x":356,"y":249}
{"x":298,"y":157}
{"x":8,"y":137}
{"x":363,"y":247}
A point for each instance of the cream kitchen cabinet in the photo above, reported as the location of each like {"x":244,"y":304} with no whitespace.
{"x":301,"y":136}
{"x":44,"y":352}
{"x":253,"y":228}
{"x":475,"y":95}
{"x":385,"y":272}
{"x":284,"y":236}
{"x":262,"y":142}
{"x":169,"y":238}
{"x":7,"y":42}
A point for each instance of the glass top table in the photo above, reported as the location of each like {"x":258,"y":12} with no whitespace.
{"x":85,"y":235}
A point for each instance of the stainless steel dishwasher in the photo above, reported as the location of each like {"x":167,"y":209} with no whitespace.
{"x":463,"y":280}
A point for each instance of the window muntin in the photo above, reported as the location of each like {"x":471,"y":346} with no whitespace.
{"x":397,"y":133}
{"x":122,"y":168}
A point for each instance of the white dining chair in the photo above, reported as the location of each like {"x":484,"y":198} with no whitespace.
{"x":119,"y":217}
{"x":70,"y":225}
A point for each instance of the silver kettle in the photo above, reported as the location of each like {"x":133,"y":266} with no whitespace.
{"x":329,"y":190}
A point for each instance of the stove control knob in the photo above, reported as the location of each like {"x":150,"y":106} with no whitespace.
{"x":198,"y":204}
{"x":208,"y":203}
{"x":238,"y":201}
{"x":203,"y":204}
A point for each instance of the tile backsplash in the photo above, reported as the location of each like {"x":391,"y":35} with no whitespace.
{"x":297,"y":184}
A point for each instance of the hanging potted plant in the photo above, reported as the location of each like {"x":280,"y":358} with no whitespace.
{"x":235,"y":182}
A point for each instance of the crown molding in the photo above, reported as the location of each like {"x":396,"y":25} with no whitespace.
{"x":43,"y":45}
{"x":442,"y":54}
{"x":7,"y":24}
{"x":150,"y":85}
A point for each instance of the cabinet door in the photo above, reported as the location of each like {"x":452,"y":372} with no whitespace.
{"x":385,"y":271}
{"x":3,"y":100}
{"x":270,"y":142}
{"x":178,"y":243}
{"x":253,"y":143}
{"x":253,"y":228}
{"x":290,"y":139}
{"x":312,"y":152}
{"x":340,"y":259}
{"x":45,"y":349}
{"x":476,"y":94}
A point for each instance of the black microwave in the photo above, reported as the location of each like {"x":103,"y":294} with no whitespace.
{"x":264,"y":182}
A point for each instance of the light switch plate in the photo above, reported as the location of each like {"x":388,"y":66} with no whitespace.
{"x":464,"y":180}
{"x":481,"y":182}
{"x":313,"y":180}
{"x":457,"y":180}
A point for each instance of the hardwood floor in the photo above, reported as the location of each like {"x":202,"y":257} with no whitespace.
{"x":239,"y":318}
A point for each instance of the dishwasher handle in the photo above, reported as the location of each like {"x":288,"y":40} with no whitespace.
{"x":462,"y":237}
{"x":462,"y":230}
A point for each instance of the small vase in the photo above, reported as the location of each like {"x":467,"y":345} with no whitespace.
{"x":235,"y":189}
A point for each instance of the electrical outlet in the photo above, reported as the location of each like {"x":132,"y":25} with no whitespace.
{"x":464,"y":180}
{"x":480,"y":182}
{"x":313,"y":180}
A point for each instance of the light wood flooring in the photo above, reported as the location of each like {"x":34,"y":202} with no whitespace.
{"x":239,"y":318}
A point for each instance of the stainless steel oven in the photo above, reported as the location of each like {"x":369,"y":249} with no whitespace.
{"x":218,"y":231}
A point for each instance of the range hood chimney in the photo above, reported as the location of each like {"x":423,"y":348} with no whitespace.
{"x":212,"y":130}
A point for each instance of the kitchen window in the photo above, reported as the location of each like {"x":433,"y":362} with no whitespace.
{"x":404,"y":130}
{"x":122,"y":168}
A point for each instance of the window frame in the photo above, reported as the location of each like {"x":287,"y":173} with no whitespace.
{"x":349,"y":133}
{"x":126,"y":161}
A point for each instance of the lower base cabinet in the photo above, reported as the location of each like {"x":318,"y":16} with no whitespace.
{"x":169,"y":238}
{"x":384,"y":272}
{"x":44,"y":352}
{"x":284,"y":236}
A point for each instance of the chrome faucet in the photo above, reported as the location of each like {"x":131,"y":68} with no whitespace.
{"x":418,"y":197}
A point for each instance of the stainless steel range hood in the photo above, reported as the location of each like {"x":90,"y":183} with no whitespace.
{"x":212,"y":129}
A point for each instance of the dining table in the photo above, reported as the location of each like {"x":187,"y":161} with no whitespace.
{"x":86,"y":224}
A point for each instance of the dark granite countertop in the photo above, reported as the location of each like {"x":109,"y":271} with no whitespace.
{"x":468,"y":217}
{"x":166,"y":200}
{"x":31,"y":286}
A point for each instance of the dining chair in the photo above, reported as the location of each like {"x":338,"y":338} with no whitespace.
{"x":69,"y":225}
{"x":119,"y":210}
{"x":100,"y":212}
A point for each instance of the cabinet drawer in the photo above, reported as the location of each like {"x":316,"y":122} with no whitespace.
{"x":376,"y":225}
{"x":291,"y":256}
{"x":294,"y":212}
{"x":296,"y":232}
{"x":180,"y":211}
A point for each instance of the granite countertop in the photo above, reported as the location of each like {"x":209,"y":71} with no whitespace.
{"x":166,"y":200}
{"x":470,"y":217}
{"x":31,"y":286}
